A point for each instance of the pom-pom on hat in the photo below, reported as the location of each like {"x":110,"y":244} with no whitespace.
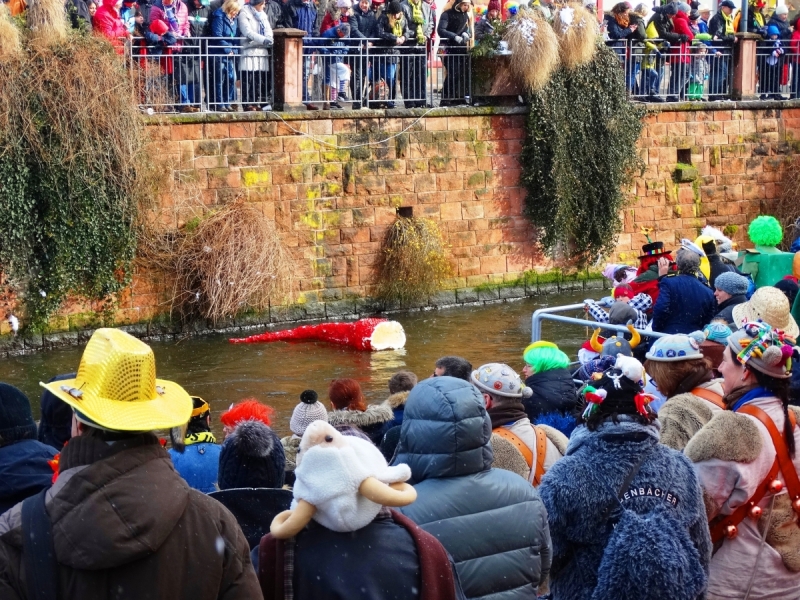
{"x":16,"y":419}
{"x":731,"y":283}
{"x":251,"y":457}
{"x":501,"y":380}
{"x":770,"y":305}
{"x":674,"y":348}
{"x":305,"y":413}
{"x":765,"y":231}
{"x":618,"y":390}
{"x":764,"y":348}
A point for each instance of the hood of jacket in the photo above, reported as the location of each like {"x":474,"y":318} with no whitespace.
{"x":24,"y":470}
{"x":376,"y":414}
{"x":446,"y":431}
{"x":119,"y":509}
{"x":397,"y":400}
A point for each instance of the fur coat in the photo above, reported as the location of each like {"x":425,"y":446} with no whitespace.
{"x":370,"y":421}
{"x":732,"y":455}
{"x":683,"y":415}
{"x":507,"y":457}
{"x":579,"y":488}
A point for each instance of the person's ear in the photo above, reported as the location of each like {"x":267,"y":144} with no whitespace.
{"x":487,"y":401}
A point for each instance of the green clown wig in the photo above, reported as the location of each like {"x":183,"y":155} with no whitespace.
{"x":765,"y":231}
{"x":545,"y":356}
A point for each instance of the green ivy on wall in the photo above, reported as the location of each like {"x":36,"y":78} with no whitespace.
{"x":71,"y":159}
{"x":579,"y":153}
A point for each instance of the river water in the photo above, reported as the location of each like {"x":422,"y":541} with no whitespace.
{"x":276,"y":373}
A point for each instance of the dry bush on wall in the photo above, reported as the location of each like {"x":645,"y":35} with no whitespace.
{"x":47,"y":21}
{"x":10,"y":39}
{"x":534,"y":49}
{"x":576,"y":29}
{"x":229,"y":262}
{"x":786,"y":208}
{"x":412,"y":263}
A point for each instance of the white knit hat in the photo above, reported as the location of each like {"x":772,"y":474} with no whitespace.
{"x":305,"y":413}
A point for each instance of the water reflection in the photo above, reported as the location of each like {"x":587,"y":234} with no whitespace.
{"x":276,"y":373}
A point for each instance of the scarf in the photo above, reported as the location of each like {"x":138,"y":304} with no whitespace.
{"x":397,"y":28}
{"x":172,"y":19}
{"x":751,"y":394}
{"x":622,"y":20}
{"x":506,"y":413}
{"x":418,"y":20}
{"x":200,"y":437}
{"x":728,"y":23}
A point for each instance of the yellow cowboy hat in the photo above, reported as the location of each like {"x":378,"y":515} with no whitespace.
{"x":116,"y":386}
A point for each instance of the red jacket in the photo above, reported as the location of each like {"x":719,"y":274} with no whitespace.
{"x":107,"y":22}
{"x":794,"y":47}
{"x":682,"y":53}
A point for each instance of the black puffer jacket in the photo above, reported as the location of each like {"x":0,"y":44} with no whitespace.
{"x":663,"y":23}
{"x":553,"y":392}
{"x":725,"y":309}
{"x":491,"y":521}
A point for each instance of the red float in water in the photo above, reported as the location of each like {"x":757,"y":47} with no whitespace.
{"x":364,"y":334}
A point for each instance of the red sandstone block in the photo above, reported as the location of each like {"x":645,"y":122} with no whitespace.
{"x":242,"y":130}
{"x":222,"y":178}
{"x":504,"y":162}
{"x":457,"y":123}
{"x":385,"y":215}
{"x":216,"y":130}
{"x":666,"y":117}
{"x":676,"y":128}
{"x":467,"y":163}
{"x":436,"y":124}
{"x":507,"y":177}
{"x":321,"y":127}
{"x":472,"y":210}
{"x":722,"y":115}
{"x":458,"y":196}
{"x":399,"y":183}
{"x":485,"y":163}
{"x":187,"y":132}
{"x":424,"y":182}
{"x":370,"y":184}
{"x":450,"y":181}
{"x":462,"y":238}
{"x":493,"y":264}
{"x":468,"y":267}
{"x":450,"y":211}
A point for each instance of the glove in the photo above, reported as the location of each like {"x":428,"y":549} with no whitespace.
{"x":458,"y":39}
{"x":776,"y":54}
{"x":607,"y":301}
{"x":168,"y":39}
{"x":665,"y":46}
{"x":710,"y":248}
{"x":684,"y":38}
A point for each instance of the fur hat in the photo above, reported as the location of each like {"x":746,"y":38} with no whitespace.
{"x":765,"y":349}
{"x":731,"y":283}
{"x":305,"y":413}
{"x":16,"y":419}
{"x":251,"y":457}
{"x":674,"y":348}
{"x":770,"y":306}
{"x":501,"y":380}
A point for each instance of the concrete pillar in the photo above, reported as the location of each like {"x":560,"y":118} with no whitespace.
{"x":288,"y":63}
{"x":744,"y":66}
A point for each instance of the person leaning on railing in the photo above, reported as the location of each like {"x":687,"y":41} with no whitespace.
{"x":224,"y":27}
{"x":413,"y":72}
{"x":455,"y":33}
{"x":393,"y":32}
{"x":363,"y":27}
{"x":255,"y":28}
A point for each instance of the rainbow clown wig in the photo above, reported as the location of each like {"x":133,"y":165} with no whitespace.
{"x":545,"y":356}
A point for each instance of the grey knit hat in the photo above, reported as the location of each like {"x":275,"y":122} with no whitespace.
{"x":305,"y":413}
{"x":731,"y":283}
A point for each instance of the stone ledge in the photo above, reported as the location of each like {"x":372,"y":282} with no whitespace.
{"x":278,"y":317}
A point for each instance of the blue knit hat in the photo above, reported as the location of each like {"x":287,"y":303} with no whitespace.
{"x":731,"y":283}
{"x":16,"y":419}
{"x":772,"y":30}
{"x":672,"y":348}
{"x":717,"y":331}
{"x":251,"y":457}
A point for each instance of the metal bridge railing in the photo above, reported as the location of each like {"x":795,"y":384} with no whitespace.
{"x":550,"y":314}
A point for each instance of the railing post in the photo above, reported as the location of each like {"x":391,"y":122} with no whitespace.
{"x":288,"y":61}
{"x":744,"y":66}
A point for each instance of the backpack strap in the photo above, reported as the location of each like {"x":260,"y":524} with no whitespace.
{"x":726,"y":525}
{"x":38,"y":552}
{"x":706,"y":394}
{"x":541,"y":451}
{"x":518,"y":444}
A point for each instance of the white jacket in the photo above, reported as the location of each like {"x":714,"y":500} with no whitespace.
{"x":731,"y":462}
{"x":255,"y":48}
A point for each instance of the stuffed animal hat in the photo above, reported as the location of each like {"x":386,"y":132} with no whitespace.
{"x":341,"y":483}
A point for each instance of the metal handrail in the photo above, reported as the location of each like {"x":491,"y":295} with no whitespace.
{"x":548,"y":314}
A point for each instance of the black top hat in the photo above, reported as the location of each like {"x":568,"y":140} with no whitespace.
{"x":653,"y":249}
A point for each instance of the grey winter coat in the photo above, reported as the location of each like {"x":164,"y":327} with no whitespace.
{"x":579,"y":489}
{"x":255,"y":46}
{"x":491,"y":521}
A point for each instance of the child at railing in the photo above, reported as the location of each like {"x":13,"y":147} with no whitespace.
{"x":770,"y":67}
{"x":699,"y":72}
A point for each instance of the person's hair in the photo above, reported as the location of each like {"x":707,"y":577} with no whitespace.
{"x":546,"y":358}
{"x":346,"y":394}
{"x":620,"y":7}
{"x":618,"y":402}
{"x":679,"y":377}
{"x":780,"y":388}
{"x":688,"y":262}
{"x":402,"y":381}
{"x":231,"y":6}
{"x":104,"y":434}
{"x":455,"y":366}
{"x":641,"y":9}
